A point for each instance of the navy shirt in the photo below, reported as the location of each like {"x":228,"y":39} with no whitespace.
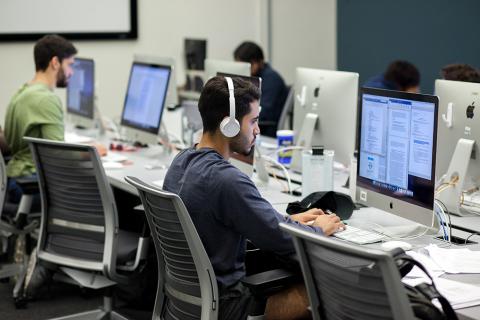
{"x":274,"y":94}
{"x":380,"y":83}
{"x":226,"y":208}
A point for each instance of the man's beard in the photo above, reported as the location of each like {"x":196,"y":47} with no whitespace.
{"x":62,"y":80}
{"x":241,"y":145}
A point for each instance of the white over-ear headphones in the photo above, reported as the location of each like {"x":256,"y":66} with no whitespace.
{"x":230,"y":126}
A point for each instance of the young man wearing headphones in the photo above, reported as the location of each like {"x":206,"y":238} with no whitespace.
{"x":225,"y":205}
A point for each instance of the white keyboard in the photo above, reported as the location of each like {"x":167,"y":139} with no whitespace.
{"x":359,"y":236}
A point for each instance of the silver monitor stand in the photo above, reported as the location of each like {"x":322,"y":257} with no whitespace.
{"x":304,"y":140}
{"x":457,"y":170}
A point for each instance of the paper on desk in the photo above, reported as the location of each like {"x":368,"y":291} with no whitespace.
{"x":114,"y":157}
{"x":460,"y":295}
{"x":72,"y":137}
{"x":432,"y":267}
{"x":455,"y":260}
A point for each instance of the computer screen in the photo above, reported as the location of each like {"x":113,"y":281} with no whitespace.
{"x":332,"y":97}
{"x":145,"y":97}
{"x":195,"y":53}
{"x":458,"y":142}
{"x":212,"y":67}
{"x":80,"y":89}
{"x":397,"y":139}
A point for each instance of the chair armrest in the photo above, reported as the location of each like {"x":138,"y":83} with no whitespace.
{"x":269,"y":282}
{"x":28,"y":185}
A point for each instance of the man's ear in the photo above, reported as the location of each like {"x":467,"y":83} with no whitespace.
{"x":55,"y":63}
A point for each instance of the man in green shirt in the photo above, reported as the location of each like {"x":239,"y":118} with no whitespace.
{"x":35,"y":111}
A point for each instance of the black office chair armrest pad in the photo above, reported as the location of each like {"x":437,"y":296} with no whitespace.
{"x":28,"y":185}
{"x":268,"y":282}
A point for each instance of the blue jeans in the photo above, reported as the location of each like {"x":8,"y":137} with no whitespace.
{"x":14,"y":193}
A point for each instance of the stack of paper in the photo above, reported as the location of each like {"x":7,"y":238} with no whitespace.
{"x":460,"y":295}
{"x":455,"y":260}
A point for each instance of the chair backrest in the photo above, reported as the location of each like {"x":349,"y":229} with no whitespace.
{"x":187,"y":287}
{"x":3,"y":183}
{"x":346,"y":281}
{"x":79,"y":225}
{"x":287,"y":110}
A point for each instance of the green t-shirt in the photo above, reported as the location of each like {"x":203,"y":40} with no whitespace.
{"x":34,"y":111}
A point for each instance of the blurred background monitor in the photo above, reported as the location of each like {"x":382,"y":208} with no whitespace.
{"x":330,"y":97}
{"x":172,"y":94}
{"x":145,"y":101}
{"x":212,"y":67}
{"x":396,"y":162}
{"x":81,"y":94}
{"x":195,"y":54}
{"x":463,"y":98}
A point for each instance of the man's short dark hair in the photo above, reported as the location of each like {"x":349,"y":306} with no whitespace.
{"x":403,"y":75}
{"x":51,"y":46}
{"x":460,"y":72}
{"x":214,"y":105}
{"x":248,"y":52}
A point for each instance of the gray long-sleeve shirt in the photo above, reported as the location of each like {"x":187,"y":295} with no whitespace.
{"x":226,"y":208}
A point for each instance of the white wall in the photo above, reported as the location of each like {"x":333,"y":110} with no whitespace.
{"x":303,"y":35}
{"x":163,"y":24}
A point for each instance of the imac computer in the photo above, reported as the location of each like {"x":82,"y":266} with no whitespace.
{"x":81,"y":94}
{"x":458,"y":158}
{"x":171,"y":101}
{"x":195,"y":55}
{"x":397,"y":147}
{"x":212,"y":67}
{"x":325,"y":112}
{"x":144,"y":101}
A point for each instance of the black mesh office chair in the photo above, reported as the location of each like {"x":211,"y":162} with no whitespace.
{"x":187,"y":287}
{"x":79,"y":232}
{"x":346,"y":281}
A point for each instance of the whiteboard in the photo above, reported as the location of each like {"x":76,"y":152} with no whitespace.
{"x":75,"y":19}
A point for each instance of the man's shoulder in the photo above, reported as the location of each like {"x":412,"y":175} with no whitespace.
{"x":36,"y":96}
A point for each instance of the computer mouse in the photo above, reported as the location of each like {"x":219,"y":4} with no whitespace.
{"x":389,"y":245}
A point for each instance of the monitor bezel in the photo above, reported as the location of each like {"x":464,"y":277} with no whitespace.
{"x":91,"y":115}
{"x":126,"y":123}
{"x":366,"y":183}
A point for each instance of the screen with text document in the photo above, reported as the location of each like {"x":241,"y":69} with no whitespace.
{"x":397,"y":147}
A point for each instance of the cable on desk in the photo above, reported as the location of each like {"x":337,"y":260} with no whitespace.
{"x":284,"y":169}
{"x":445,"y":210}
{"x":471,"y":235}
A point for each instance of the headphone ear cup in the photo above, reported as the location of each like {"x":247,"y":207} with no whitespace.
{"x":229,"y":128}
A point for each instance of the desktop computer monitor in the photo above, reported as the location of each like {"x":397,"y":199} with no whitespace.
{"x":172,"y":94}
{"x":397,"y":147}
{"x":195,"y":53}
{"x":325,"y":112}
{"x":80,"y":94}
{"x":458,"y":140}
{"x":145,"y":101}
{"x":212,"y":67}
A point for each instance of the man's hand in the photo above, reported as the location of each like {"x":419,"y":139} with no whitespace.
{"x":101,"y":149}
{"x":328,"y":223}
{"x":307,"y":217}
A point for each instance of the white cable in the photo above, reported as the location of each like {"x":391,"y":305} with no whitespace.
{"x":445,"y":225}
{"x":284,"y":169}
